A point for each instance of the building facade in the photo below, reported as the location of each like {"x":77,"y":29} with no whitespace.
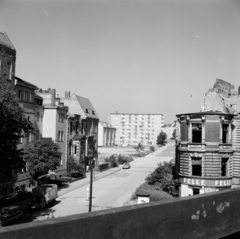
{"x":7,"y":59}
{"x":86,"y":140}
{"x":168,"y":130}
{"x":205,"y":152}
{"x":54,"y":123}
{"x":106,"y":134}
{"x":133,"y":128}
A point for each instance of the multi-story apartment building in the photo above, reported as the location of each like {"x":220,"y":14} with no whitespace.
{"x":205,"y":152}
{"x":208,"y":143}
{"x":133,"y":128}
{"x":86,"y":141}
{"x":55,"y":123}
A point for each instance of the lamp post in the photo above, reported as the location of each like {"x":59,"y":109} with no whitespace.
{"x":91,"y":173}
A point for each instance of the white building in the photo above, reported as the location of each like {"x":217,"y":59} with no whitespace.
{"x":168,"y":129}
{"x":134,"y":128}
{"x":106,"y":134}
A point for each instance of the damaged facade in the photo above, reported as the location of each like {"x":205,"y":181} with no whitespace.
{"x":208,"y":145}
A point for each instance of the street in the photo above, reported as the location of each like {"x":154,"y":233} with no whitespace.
{"x":108,"y":192}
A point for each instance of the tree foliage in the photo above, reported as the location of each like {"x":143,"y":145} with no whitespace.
{"x":163,"y":175}
{"x":74,"y":166}
{"x":174,"y":134}
{"x":161,"y":139}
{"x":14,"y":125}
{"x":42,"y":156}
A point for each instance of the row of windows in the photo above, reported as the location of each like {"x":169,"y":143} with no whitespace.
{"x":25,"y":96}
{"x":197,"y":167}
{"x":60,"y":136}
{"x":197,"y":133}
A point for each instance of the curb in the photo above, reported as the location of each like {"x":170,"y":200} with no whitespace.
{"x":85,"y":181}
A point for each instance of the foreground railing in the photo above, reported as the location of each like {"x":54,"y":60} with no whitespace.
{"x":213,"y":215}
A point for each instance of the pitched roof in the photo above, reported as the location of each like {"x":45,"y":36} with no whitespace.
{"x":5,"y":41}
{"x":25,"y":83}
{"x":87,"y":107}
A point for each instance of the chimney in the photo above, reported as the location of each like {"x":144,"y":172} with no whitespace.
{"x":67,"y":94}
{"x":53,"y":92}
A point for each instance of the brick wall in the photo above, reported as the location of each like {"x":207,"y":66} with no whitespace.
{"x":212,"y":131}
{"x":184,"y":131}
{"x":212,"y":215}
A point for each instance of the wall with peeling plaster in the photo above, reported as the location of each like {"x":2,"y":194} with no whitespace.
{"x":212,"y":215}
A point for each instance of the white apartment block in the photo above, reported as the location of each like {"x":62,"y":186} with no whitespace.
{"x":134,"y":128}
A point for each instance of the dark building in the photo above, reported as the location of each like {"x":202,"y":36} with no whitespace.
{"x":205,"y":152}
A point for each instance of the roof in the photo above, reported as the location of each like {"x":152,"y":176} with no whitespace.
{"x":206,"y":113}
{"x":119,"y":113}
{"x":26,"y":83}
{"x":106,"y":124}
{"x":87,"y":107}
{"x":5,"y":41}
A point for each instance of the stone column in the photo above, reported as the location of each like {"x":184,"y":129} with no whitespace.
{"x":220,"y":137}
{"x":230,"y":132}
{"x":203,"y":132}
{"x":190,"y":132}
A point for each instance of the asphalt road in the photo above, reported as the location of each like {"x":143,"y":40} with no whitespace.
{"x":108,"y":192}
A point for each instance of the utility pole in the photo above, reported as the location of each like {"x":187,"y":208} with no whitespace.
{"x":91,"y":185}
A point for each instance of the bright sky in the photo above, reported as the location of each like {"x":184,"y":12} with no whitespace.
{"x":139,"y":56}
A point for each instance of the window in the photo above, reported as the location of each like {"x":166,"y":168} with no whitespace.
{"x":20,"y":95}
{"x":224,"y":167}
{"x":196,"y":133}
{"x":61,"y":118}
{"x":37,"y":116}
{"x":59,"y":136}
{"x":62,"y":134}
{"x":196,"y":166}
{"x":225,"y":128}
{"x":31,"y":97}
{"x":26,"y":96}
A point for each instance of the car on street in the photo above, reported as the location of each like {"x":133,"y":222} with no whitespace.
{"x":10,"y":214}
{"x":126,"y":165}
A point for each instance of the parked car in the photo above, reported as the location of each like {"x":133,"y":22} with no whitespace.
{"x":44,"y":194}
{"x":10,"y":214}
{"x":126,"y":165}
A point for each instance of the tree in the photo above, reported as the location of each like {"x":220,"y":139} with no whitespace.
{"x":161,"y":139}
{"x":163,"y":175}
{"x":42,"y":156}
{"x":74,"y":166}
{"x":139,"y":148}
{"x":14,"y":125}
{"x":174,"y":134}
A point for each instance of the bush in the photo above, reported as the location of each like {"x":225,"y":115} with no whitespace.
{"x":155,"y":191}
{"x":124,"y":159}
{"x":164,"y":175}
{"x":112,"y":160}
{"x":152,"y":148}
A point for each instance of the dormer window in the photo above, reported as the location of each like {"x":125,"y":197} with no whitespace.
{"x":87,"y":111}
{"x":93,"y":112}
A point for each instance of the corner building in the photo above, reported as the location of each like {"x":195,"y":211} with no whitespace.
{"x":205,"y":152}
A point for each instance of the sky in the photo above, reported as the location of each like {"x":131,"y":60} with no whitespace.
{"x":132,"y":56}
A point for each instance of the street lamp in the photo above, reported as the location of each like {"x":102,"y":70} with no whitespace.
{"x":91,"y":174}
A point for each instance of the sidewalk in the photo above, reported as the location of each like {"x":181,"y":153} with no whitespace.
{"x":85,"y":181}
